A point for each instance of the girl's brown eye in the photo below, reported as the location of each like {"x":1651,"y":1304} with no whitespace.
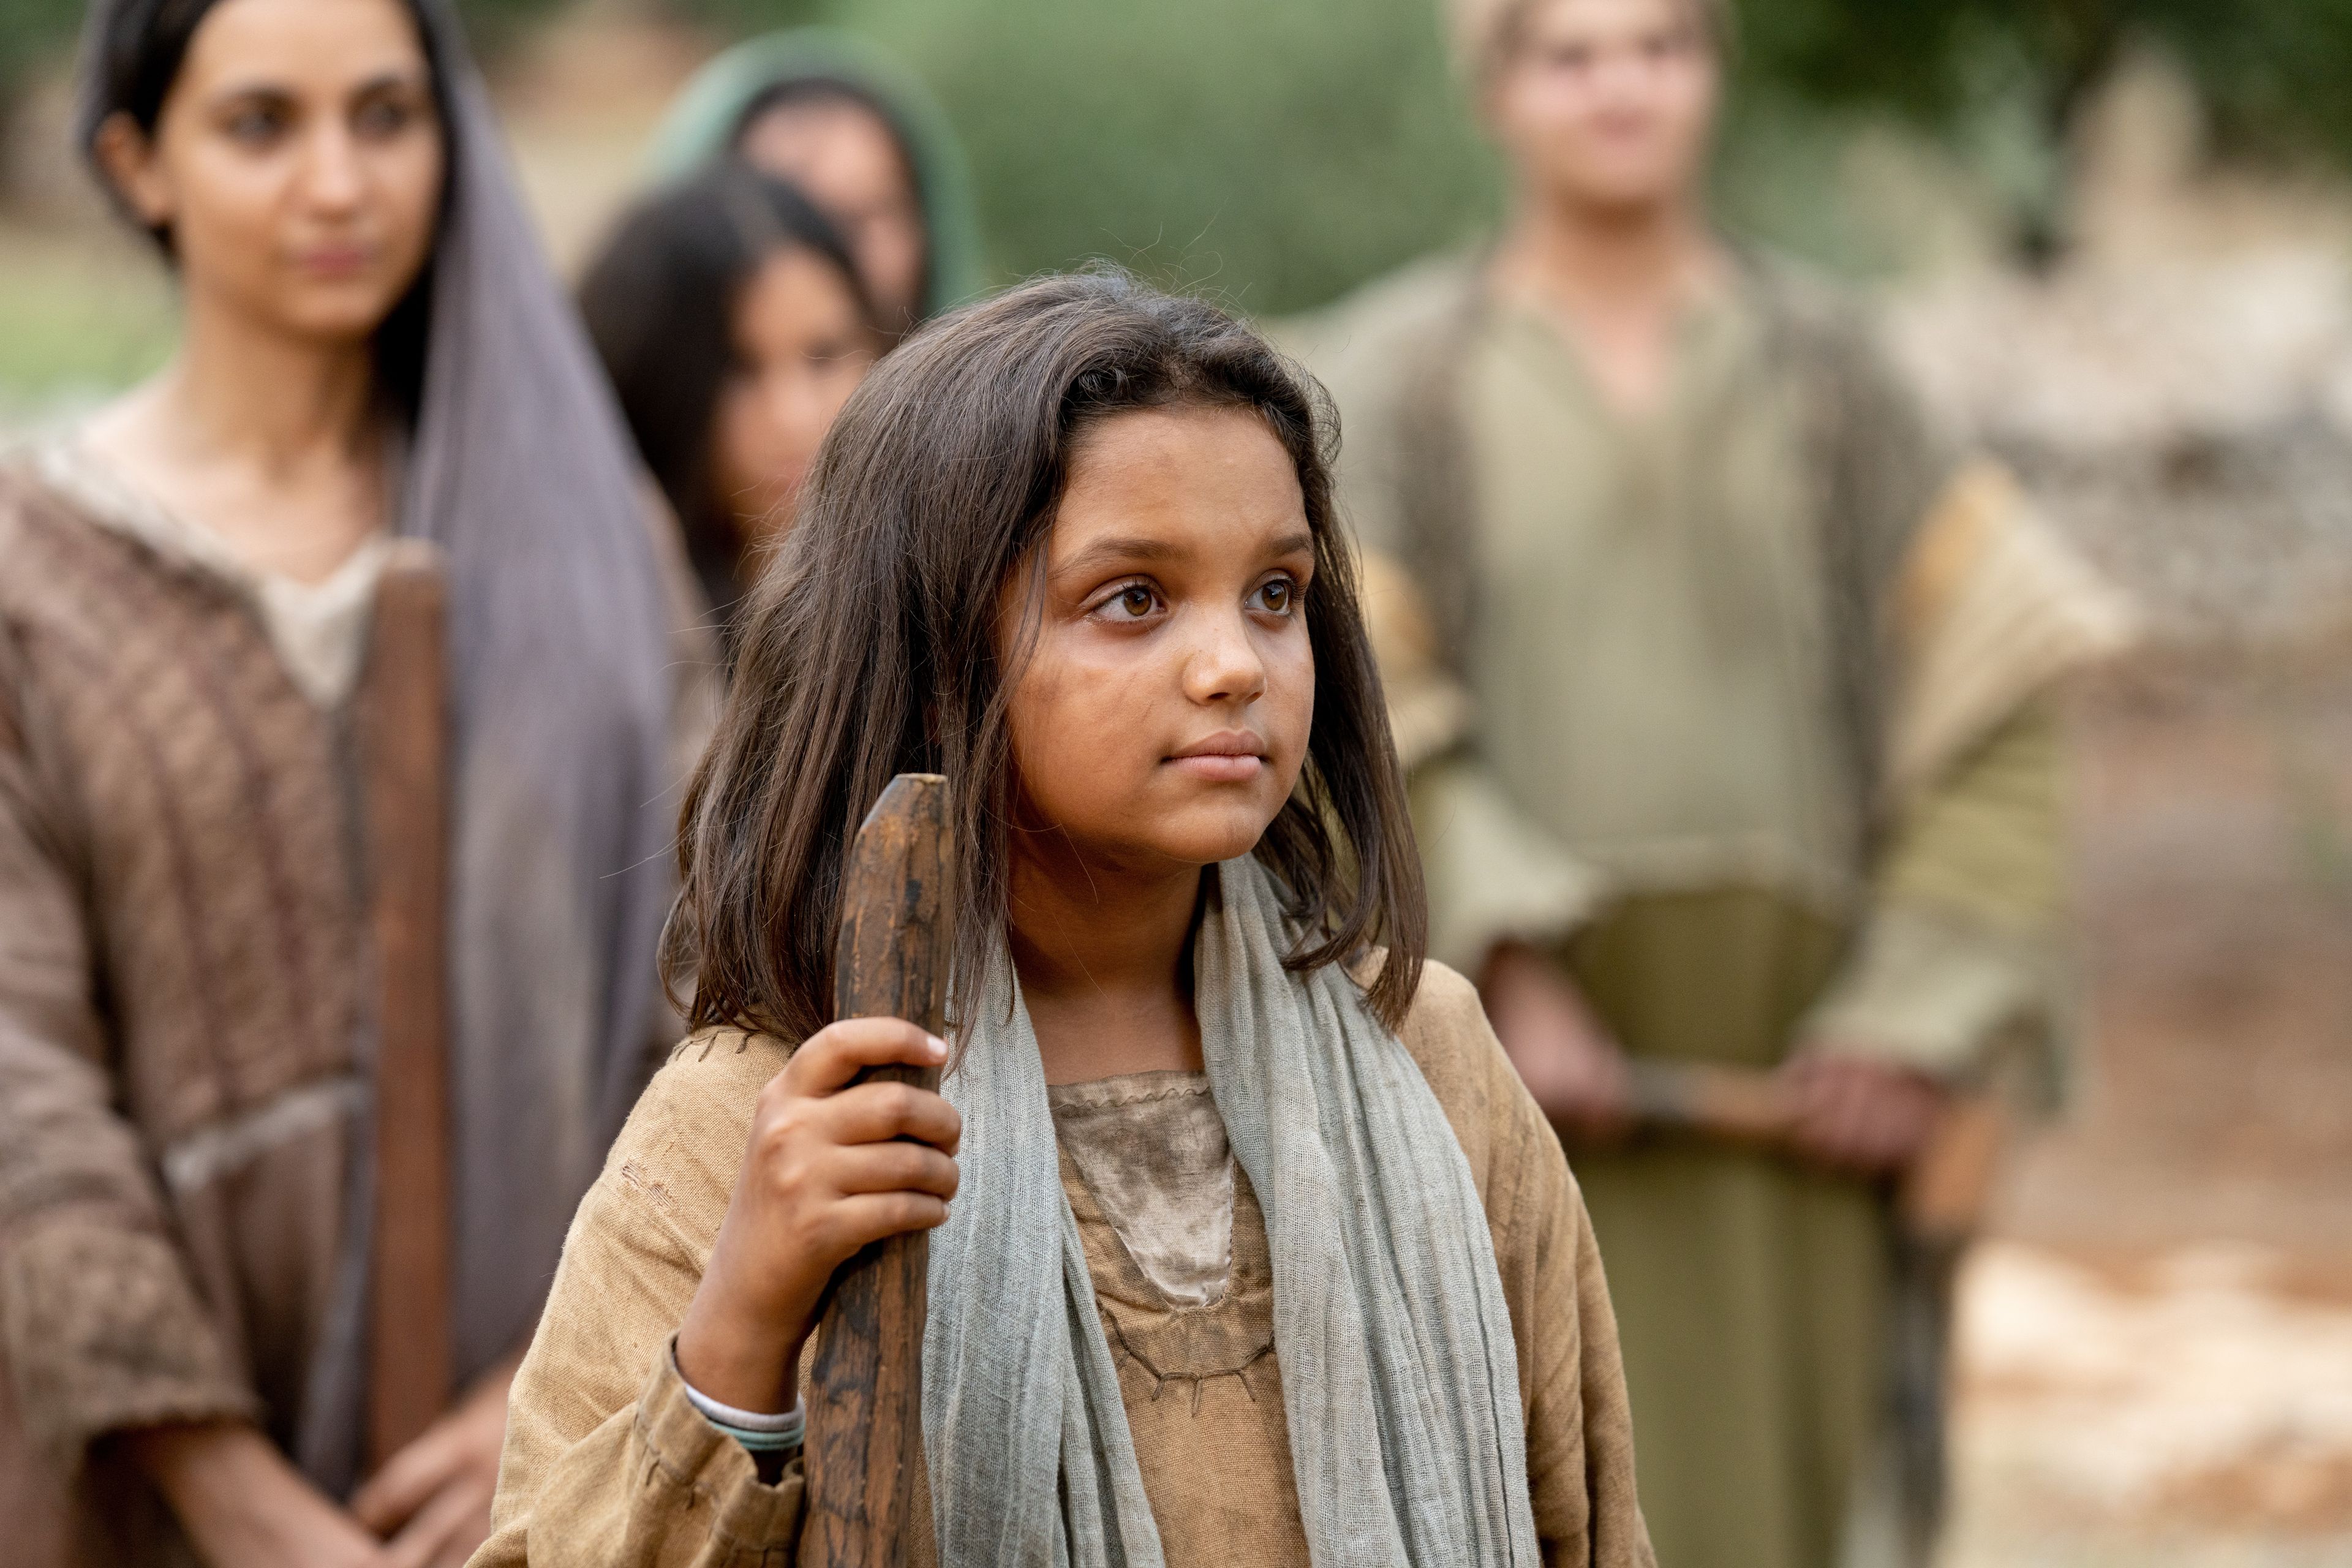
{"x":1136,"y":601}
{"x":1276,"y":596}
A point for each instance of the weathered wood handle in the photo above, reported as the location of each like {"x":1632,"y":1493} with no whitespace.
{"x":403,"y":720}
{"x":1944,"y":1193}
{"x":865,"y":1395}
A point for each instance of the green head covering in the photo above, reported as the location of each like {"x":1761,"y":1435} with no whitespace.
{"x":705,"y":117}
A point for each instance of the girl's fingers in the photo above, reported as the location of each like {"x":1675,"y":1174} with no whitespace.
{"x":869,"y":1217}
{"x":877,"y":1113}
{"x":840,"y":1051}
{"x":868,"y":1168}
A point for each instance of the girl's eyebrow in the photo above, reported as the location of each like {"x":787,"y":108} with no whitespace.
{"x":1125,"y":548}
{"x":1118,"y":548}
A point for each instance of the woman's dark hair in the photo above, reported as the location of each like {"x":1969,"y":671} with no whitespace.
{"x":660,"y":304}
{"x":871,"y":650}
{"x":135,"y":56}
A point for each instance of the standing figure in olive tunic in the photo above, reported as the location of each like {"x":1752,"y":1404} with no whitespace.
{"x":1722,"y":683}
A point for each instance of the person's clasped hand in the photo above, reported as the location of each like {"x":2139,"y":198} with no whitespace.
{"x":1861,"y":1114}
{"x":1563,"y":1052}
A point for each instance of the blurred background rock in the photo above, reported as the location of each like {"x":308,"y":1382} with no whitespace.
{"x":2114,"y":239}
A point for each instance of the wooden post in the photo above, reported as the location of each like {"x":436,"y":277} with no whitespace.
{"x":403,"y":735}
{"x":864,"y":1399}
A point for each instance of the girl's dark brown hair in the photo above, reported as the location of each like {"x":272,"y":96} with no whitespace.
{"x":870,"y":649}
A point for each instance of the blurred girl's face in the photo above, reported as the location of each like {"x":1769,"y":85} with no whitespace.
{"x":1161,"y":719}
{"x":298,"y":163}
{"x":801,"y":348}
{"x":1608,"y":104}
{"x":847,"y":159}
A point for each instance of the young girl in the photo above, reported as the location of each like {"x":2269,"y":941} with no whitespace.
{"x":1247,"y":1245}
{"x":731,"y":321}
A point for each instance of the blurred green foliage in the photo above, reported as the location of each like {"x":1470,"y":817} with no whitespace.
{"x":35,"y":33}
{"x":1987,"y":73}
{"x":1277,"y":152}
{"x":1272,"y":152}
{"x":1282,"y":150}
{"x":31,"y":32}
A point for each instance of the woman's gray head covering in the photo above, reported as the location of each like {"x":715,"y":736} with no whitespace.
{"x":520,"y":468}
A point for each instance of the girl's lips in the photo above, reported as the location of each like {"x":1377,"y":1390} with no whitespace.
{"x":1231,"y":756}
{"x":1220,"y":767}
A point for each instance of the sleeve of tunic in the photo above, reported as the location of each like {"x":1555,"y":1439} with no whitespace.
{"x":607,"y":1463}
{"x":1967,"y":895}
{"x":101,"y":1326}
{"x":1580,"y":1425}
{"x":1970,"y":611}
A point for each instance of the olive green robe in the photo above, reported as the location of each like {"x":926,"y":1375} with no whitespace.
{"x":1653,"y":676}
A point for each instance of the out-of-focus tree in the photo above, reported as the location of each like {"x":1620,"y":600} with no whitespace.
{"x":1285,"y":149}
{"x":35,"y":34}
{"x":2273,"y":73}
{"x":1274,"y":151}
{"x":32,"y":32}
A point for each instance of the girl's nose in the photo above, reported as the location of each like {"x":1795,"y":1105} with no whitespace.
{"x":1226,"y":666}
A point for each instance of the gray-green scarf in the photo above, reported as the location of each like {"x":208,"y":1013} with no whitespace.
{"x":1399,"y":1373}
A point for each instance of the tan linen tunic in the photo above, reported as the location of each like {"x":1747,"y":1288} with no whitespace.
{"x":1733,"y":710}
{"x":607,"y":1463}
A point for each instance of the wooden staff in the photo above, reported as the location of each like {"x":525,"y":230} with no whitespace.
{"x":1944,"y":1193}
{"x":865,"y":1402}
{"x":403,"y":731}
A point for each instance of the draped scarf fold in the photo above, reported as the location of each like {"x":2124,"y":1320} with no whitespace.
{"x":1400,"y":1376}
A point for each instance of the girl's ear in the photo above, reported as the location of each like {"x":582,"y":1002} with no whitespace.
{"x":127,"y":155}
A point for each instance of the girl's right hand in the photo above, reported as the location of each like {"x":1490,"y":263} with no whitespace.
{"x":830,"y":1167}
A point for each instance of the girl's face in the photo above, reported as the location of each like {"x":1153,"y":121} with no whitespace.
{"x":849,"y":161}
{"x":1609,"y":104}
{"x":1161,"y":716}
{"x":298,"y":163}
{"x":801,"y":348}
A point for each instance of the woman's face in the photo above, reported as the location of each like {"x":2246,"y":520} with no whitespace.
{"x":1161,"y":716}
{"x":847,"y":161}
{"x":1608,"y":104}
{"x":801,"y":348}
{"x":298,"y":163}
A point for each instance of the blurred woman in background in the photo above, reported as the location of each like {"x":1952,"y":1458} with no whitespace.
{"x":863,"y":138}
{"x":372,"y":347}
{"x":734,"y":325}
